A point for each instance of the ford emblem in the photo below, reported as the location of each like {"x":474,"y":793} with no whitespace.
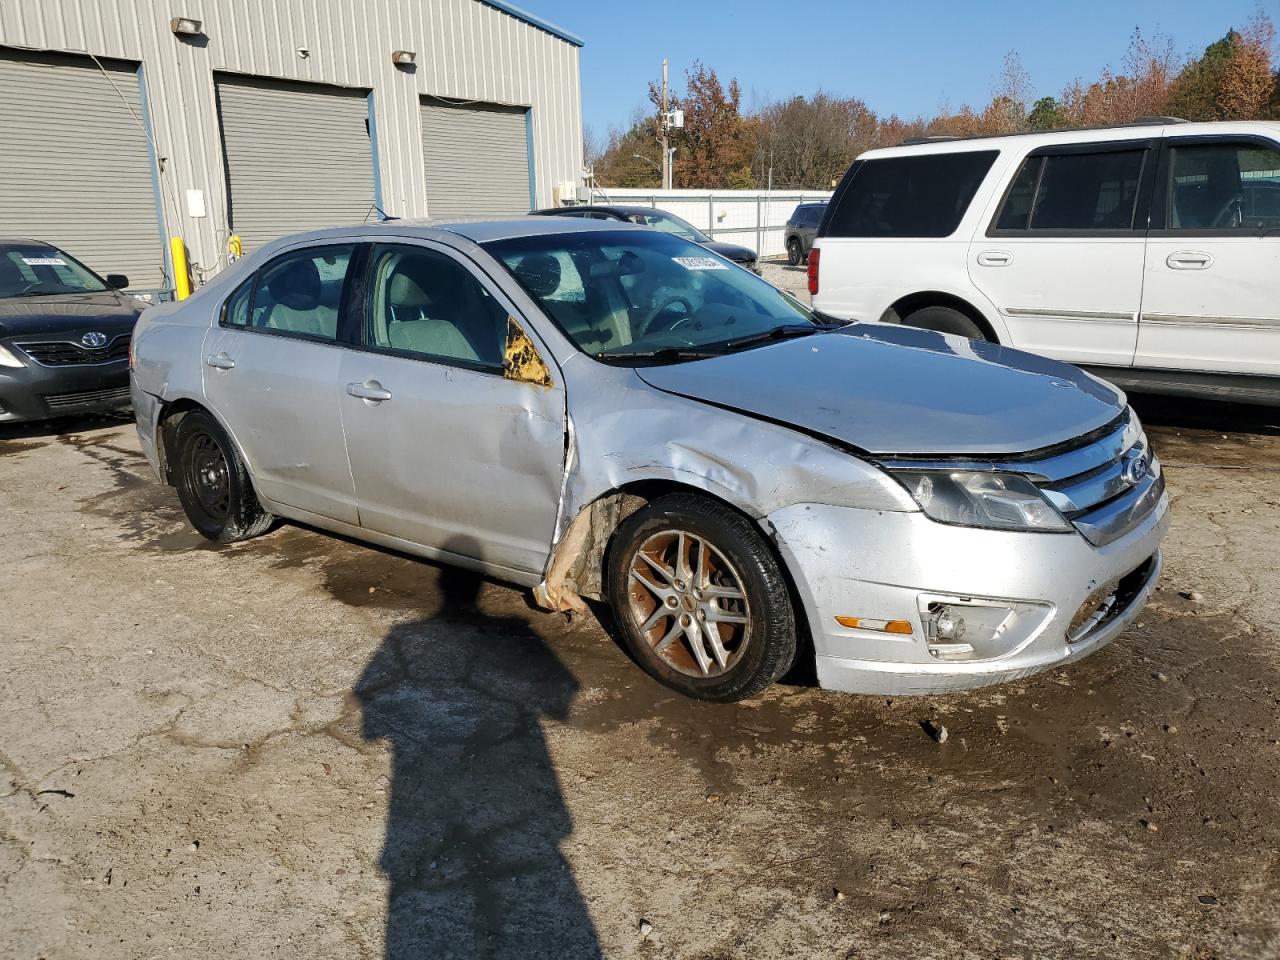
{"x":1137,"y":468}
{"x":94,"y":339}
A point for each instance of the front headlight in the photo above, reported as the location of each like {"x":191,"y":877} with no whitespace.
{"x":8,"y":358}
{"x":1000,"y":501}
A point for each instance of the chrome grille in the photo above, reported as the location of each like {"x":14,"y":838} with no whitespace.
{"x":65,"y":353}
{"x":1105,"y":486}
{"x":109,"y":397}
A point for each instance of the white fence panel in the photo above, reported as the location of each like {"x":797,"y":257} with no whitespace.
{"x":753,"y":218}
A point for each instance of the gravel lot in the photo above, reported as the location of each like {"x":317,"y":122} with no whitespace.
{"x":246,"y":751}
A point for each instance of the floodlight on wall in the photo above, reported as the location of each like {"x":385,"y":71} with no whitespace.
{"x":403,"y":58}
{"x":186,"y":27}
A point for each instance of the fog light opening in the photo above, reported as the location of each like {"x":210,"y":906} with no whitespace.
{"x":946,"y":633}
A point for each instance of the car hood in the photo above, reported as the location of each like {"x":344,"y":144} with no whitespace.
{"x":902,"y":391}
{"x":107,"y":311}
{"x":731,"y":251}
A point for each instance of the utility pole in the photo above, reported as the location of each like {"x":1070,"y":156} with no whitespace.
{"x":663,"y":118}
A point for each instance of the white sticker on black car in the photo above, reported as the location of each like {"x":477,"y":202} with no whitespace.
{"x":44,"y":261}
{"x":700,"y":263}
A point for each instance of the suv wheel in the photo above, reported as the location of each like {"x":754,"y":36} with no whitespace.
{"x":213,"y":482}
{"x":794,"y":253}
{"x":944,"y":320}
{"x":700,"y":599}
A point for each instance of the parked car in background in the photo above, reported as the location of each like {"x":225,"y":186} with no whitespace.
{"x":597,"y":410}
{"x":659,"y":220}
{"x":64,"y":334}
{"x":1149,"y":254}
{"x":801,"y":228}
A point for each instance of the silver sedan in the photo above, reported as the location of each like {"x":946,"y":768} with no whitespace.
{"x":601,"y":411}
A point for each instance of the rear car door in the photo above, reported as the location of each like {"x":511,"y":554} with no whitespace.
{"x":1211,"y":301}
{"x":1062,"y":257}
{"x":272,"y":375}
{"x":451,"y":446}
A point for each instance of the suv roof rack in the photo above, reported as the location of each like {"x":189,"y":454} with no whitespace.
{"x":1137,"y":122}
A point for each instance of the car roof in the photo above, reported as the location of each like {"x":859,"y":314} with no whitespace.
{"x":478,"y":229}
{"x":1136,"y":131}
{"x":625,"y":209}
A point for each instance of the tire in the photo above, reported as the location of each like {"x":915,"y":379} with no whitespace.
{"x":213,"y":483}
{"x":756,"y":625}
{"x":794,"y":252}
{"x":945,"y":320}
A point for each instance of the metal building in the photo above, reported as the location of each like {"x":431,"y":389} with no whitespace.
{"x":123,"y":124}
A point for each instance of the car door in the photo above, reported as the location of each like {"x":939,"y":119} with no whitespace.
{"x":1211,"y":301}
{"x":272,"y":374}
{"x":1062,"y":257}
{"x":451,"y":446}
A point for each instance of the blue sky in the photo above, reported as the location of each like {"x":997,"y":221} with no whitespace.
{"x":899,"y":57}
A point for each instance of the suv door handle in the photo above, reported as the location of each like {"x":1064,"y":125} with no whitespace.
{"x":1189,"y":260}
{"x":371,"y":391}
{"x":220,"y":361}
{"x":995,"y":258}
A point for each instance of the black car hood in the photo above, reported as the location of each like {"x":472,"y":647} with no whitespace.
{"x":107,"y":311}
{"x":902,"y":391}
{"x":731,"y":251}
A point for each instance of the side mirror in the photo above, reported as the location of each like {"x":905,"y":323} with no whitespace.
{"x":117,"y":281}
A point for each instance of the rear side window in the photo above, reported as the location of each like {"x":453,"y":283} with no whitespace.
{"x":1074,"y":191}
{"x":919,"y":196}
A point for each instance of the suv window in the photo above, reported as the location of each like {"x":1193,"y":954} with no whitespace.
{"x":428,"y":304}
{"x":300,"y":292}
{"x":1224,"y":187}
{"x":1074,"y":191}
{"x":914,"y":196}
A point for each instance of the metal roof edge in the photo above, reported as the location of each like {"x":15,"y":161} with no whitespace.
{"x":536,"y":21}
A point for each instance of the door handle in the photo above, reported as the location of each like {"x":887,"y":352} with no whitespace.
{"x":995,"y":258}
{"x":371,"y":391}
{"x":1189,"y":260}
{"x":220,"y":361}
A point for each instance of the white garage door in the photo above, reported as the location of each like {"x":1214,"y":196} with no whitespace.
{"x":298,"y":156}
{"x":477,"y":159}
{"x":75,"y":167}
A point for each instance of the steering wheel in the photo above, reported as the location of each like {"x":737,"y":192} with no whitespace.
{"x":1230,"y":212}
{"x":647,"y":324}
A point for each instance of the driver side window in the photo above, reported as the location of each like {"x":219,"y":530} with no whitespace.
{"x":1224,"y":187}
{"x":427,"y":304}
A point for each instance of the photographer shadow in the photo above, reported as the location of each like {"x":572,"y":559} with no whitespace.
{"x":475,"y":815}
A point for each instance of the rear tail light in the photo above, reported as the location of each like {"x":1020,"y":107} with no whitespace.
{"x":813,"y":270}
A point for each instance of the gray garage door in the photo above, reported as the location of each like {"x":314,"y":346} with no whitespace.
{"x":298,"y":156}
{"x":477,"y":159}
{"x":75,"y":168}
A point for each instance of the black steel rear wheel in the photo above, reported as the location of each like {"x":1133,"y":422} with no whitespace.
{"x":213,"y":482}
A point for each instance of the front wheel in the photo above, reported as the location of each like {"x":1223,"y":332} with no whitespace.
{"x":794,"y":253}
{"x":213,"y":482}
{"x":700,"y":599}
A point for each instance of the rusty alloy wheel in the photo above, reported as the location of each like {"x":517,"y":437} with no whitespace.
{"x":688,"y":603}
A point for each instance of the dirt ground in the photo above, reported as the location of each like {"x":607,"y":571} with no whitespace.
{"x":251,"y":751}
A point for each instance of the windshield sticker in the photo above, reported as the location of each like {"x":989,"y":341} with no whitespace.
{"x":44,"y":261}
{"x":700,"y":263}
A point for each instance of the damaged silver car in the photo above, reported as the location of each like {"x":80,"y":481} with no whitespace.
{"x":599,"y":411}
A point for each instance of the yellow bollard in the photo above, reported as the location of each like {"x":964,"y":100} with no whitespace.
{"x":181,"y":279}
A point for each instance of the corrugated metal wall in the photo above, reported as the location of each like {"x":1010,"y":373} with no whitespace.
{"x":466,"y":50}
{"x":477,"y":159}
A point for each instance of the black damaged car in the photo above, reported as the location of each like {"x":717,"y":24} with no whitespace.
{"x":64,"y":334}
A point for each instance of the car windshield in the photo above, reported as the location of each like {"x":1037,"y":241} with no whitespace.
{"x":641,"y":295}
{"x":39,"y":270}
{"x":667,"y":223}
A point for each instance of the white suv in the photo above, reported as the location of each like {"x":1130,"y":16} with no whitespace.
{"x":1148,"y":253}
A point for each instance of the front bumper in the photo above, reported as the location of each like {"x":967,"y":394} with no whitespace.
{"x":35,"y":392}
{"x":881,"y":566}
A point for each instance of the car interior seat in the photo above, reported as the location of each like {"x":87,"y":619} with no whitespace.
{"x":423,"y":322}
{"x":294,"y":291}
